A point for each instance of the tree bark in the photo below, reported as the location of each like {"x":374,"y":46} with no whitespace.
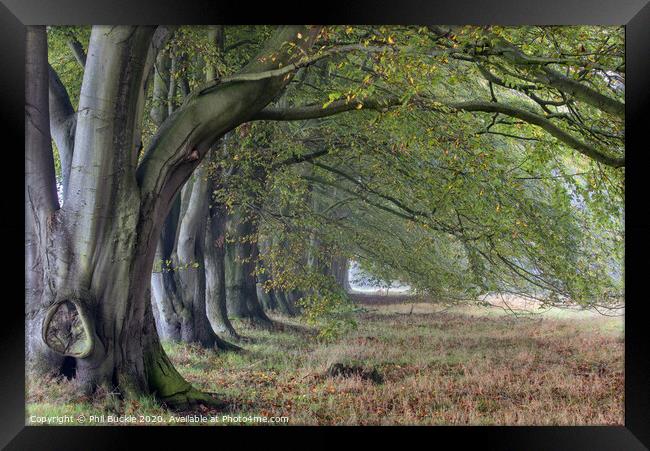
{"x":77,"y":51}
{"x":183,"y":286}
{"x":339,"y":271}
{"x":185,"y":292}
{"x":215,"y":273}
{"x":195,"y":325}
{"x":40,"y":197}
{"x":63,"y":124}
{"x":240,"y":260}
{"x":99,"y":271}
{"x":163,"y":282}
{"x":159,"y":111}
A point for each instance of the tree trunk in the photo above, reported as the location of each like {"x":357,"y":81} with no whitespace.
{"x":339,"y":270}
{"x":265,"y":294}
{"x":41,"y":200}
{"x":159,"y":111}
{"x":240,"y":260}
{"x":98,"y":268}
{"x":284,"y":305}
{"x":189,"y":266}
{"x":95,"y":309}
{"x":163,"y":282}
{"x":182,"y":287}
{"x":215,"y":273}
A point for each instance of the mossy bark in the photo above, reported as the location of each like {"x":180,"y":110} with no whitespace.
{"x":166,"y":383}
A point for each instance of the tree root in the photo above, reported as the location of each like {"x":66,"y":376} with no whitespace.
{"x":170,"y":388}
{"x":223,"y":345}
{"x":261,"y":322}
{"x":192,"y":399}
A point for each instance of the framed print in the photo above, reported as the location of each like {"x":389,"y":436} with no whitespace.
{"x":397,"y":215}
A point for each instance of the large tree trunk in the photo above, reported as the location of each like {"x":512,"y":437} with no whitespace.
{"x":100,"y":268}
{"x":240,"y":260}
{"x":215,"y":272}
{"x":163,"y":282}
{"x":41,"y":200}
{"x":96,"y":270}
{"x":183,"y":285}
{"x":89,"y":264}
{"x":189,"y":270}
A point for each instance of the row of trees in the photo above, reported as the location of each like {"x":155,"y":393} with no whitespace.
{"x":177,"y":177}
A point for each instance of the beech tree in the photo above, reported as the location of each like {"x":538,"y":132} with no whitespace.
{"x":439,"y":153}
{"x":89,"y":262}
{"x":182,"y":289}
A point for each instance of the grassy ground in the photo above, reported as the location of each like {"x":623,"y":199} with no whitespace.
{"x":465,"y":365}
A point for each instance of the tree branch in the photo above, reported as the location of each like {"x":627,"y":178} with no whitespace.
{"x":358,"y":195}
{"x":414,"y":213}
{"x":63,"y":124}
{"x":555,"y":79}
{"x":317,"y":111}
{"x":542,"y":122}
{"x":186,"y":136}
{"x":77,"y":50}
{"x":284,"y":70}
{"x":295,"y":159}
{"x":582,"y":92}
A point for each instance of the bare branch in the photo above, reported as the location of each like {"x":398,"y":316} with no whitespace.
{"x":303,"y":62}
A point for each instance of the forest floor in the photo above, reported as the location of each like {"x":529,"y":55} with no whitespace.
{"x":405,"y":363}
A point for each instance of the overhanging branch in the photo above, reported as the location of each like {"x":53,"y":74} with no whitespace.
{"x":315,"y":111}
{"x":542,"y":122}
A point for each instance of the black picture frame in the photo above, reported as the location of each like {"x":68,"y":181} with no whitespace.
{"x":634,"y":14}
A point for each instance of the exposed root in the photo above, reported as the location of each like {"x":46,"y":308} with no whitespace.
{"x":192,"y":399}
{"x":170,"y":388}
{"x":223,"y":345}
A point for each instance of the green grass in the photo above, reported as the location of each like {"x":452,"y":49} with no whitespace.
{"x":463,"y":365}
